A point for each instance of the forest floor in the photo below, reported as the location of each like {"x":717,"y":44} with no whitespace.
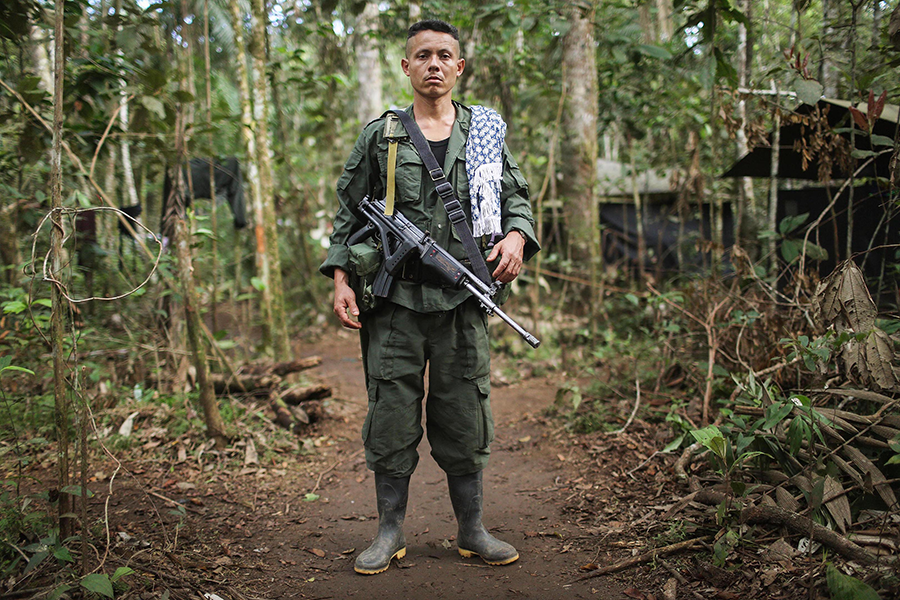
{"x":289,"y":524}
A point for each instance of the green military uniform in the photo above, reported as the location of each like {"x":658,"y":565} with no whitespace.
{"x":424,"y":322}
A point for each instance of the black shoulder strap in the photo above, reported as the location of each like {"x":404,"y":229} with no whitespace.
{"x":445,"y":191}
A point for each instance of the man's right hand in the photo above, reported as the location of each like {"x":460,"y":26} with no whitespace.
{"x":345,"y":301}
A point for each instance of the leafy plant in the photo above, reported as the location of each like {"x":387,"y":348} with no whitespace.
{"x":847,"y":587}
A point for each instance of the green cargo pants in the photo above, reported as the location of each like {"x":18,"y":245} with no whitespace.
{"x":397,"y":345}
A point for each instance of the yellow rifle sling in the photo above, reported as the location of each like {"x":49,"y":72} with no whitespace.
{"x":391,"y":171}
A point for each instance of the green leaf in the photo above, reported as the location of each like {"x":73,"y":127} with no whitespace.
{"x":205,"y":232}
{"x":858,"y":153}
{"x":724,"y":69}
{"x":43,"y":302}
{"x":311,"y":497}
{"x":62,"y":553}
{"x":98,"y":583}
{"x":36,"y":559}
{"x":76,"y":490}
{"x":183,"y":96}
{"x":791,"y":223}
{"x":14,"y":306}
{"x":58,"y":592}
{"x":809,"y":91}
{"x":845,"y":587}
{"x":674,"y":444}
{"x":258,"y":284}
{"x":654,"y":51}
{"x":881,"y":140}
{"x":15,"y":368}
{"x":120,"y":573}
{"x":712,"y":439}
{"x":776,"y":413}
{"x":154,"y":105}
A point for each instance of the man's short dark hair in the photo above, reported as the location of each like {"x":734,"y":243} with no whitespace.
{"x":433,"y":25}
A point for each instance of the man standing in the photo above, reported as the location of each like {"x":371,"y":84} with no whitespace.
{"x":423,"y":325}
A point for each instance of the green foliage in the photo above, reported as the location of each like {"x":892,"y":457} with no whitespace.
{"x":847,"y":587}
{"x":27,"y":538}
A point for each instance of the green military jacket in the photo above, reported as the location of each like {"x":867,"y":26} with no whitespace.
{"x":365,"y":173}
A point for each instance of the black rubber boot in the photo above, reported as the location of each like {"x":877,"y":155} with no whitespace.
{"x":391,"y":494}
{"x":466,"y":493}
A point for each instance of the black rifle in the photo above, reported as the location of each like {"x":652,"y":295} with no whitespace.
{"x":400,"y":239}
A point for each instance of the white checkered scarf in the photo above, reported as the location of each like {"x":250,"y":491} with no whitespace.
{"x":484,"y":168}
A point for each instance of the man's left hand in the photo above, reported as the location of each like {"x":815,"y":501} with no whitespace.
{"x":512,"y":250}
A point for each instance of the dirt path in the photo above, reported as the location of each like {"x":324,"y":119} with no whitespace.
{"x":525,"y":487}
{"x":192,"y":524}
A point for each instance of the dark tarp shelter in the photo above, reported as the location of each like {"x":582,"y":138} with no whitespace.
{"x":663,"y":230}
{"x":876,"y":223}
{"x":758,"y":162}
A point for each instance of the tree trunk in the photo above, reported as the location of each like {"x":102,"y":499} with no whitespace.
{"x":58,"y":303}
{"x":214,"y":225}
{"x":252,"y":162}
{"x":772,"y":217}
{"x":648,"y":35}
{"x":368,"y":63}
{"x":638,"y":215}
{"x":215,"y":426}
{"x":579,"y":141}
{"x":745,"y":218}
{"x":664,"y":22}
{"x":830,"y":48}
{"x":264,"y":206}
{"x":41,"y":59}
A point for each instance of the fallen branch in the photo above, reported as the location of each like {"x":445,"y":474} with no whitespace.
{"x":284,"y":368}
{"x":637,"y":404}
{"x":680,"y":578}
{"x":648,"y":556}
{"x":254,"y":384}
{"x":805,"y":526}
{"x":685,"y":459}
{"x":776,"y":515}
{"x":302,"y":393}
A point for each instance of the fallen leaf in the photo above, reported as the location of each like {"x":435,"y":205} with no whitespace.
{"x":590,"y":567}
{"x":446,"y":544}
{"x":128,"y":426}
{"x":635,"y":593}
{"x":251,"y":457}
{"x":317,"y":552}
{"x":350,"y":551}
{"x":525,"y":439}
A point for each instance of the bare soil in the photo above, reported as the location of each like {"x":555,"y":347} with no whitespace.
{"x":255,"y":534}
{"x":268,"y":520}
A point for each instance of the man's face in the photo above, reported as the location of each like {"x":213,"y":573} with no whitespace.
{"x":432,"y":63}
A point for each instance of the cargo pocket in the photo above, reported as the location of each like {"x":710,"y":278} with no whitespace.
{"x":367,"y":433}
{"x":409,"y":174}
{"x":484,"y":406}
{"x":349,"y":171}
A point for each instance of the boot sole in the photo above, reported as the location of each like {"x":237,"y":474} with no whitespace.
{"x":495,"y":563}
{"x":398,"y":555}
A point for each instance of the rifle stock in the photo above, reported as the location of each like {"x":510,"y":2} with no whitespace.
{"x":400,"y":238}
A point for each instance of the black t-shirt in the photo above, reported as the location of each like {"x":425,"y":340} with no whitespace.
{"x":439,"y":149}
